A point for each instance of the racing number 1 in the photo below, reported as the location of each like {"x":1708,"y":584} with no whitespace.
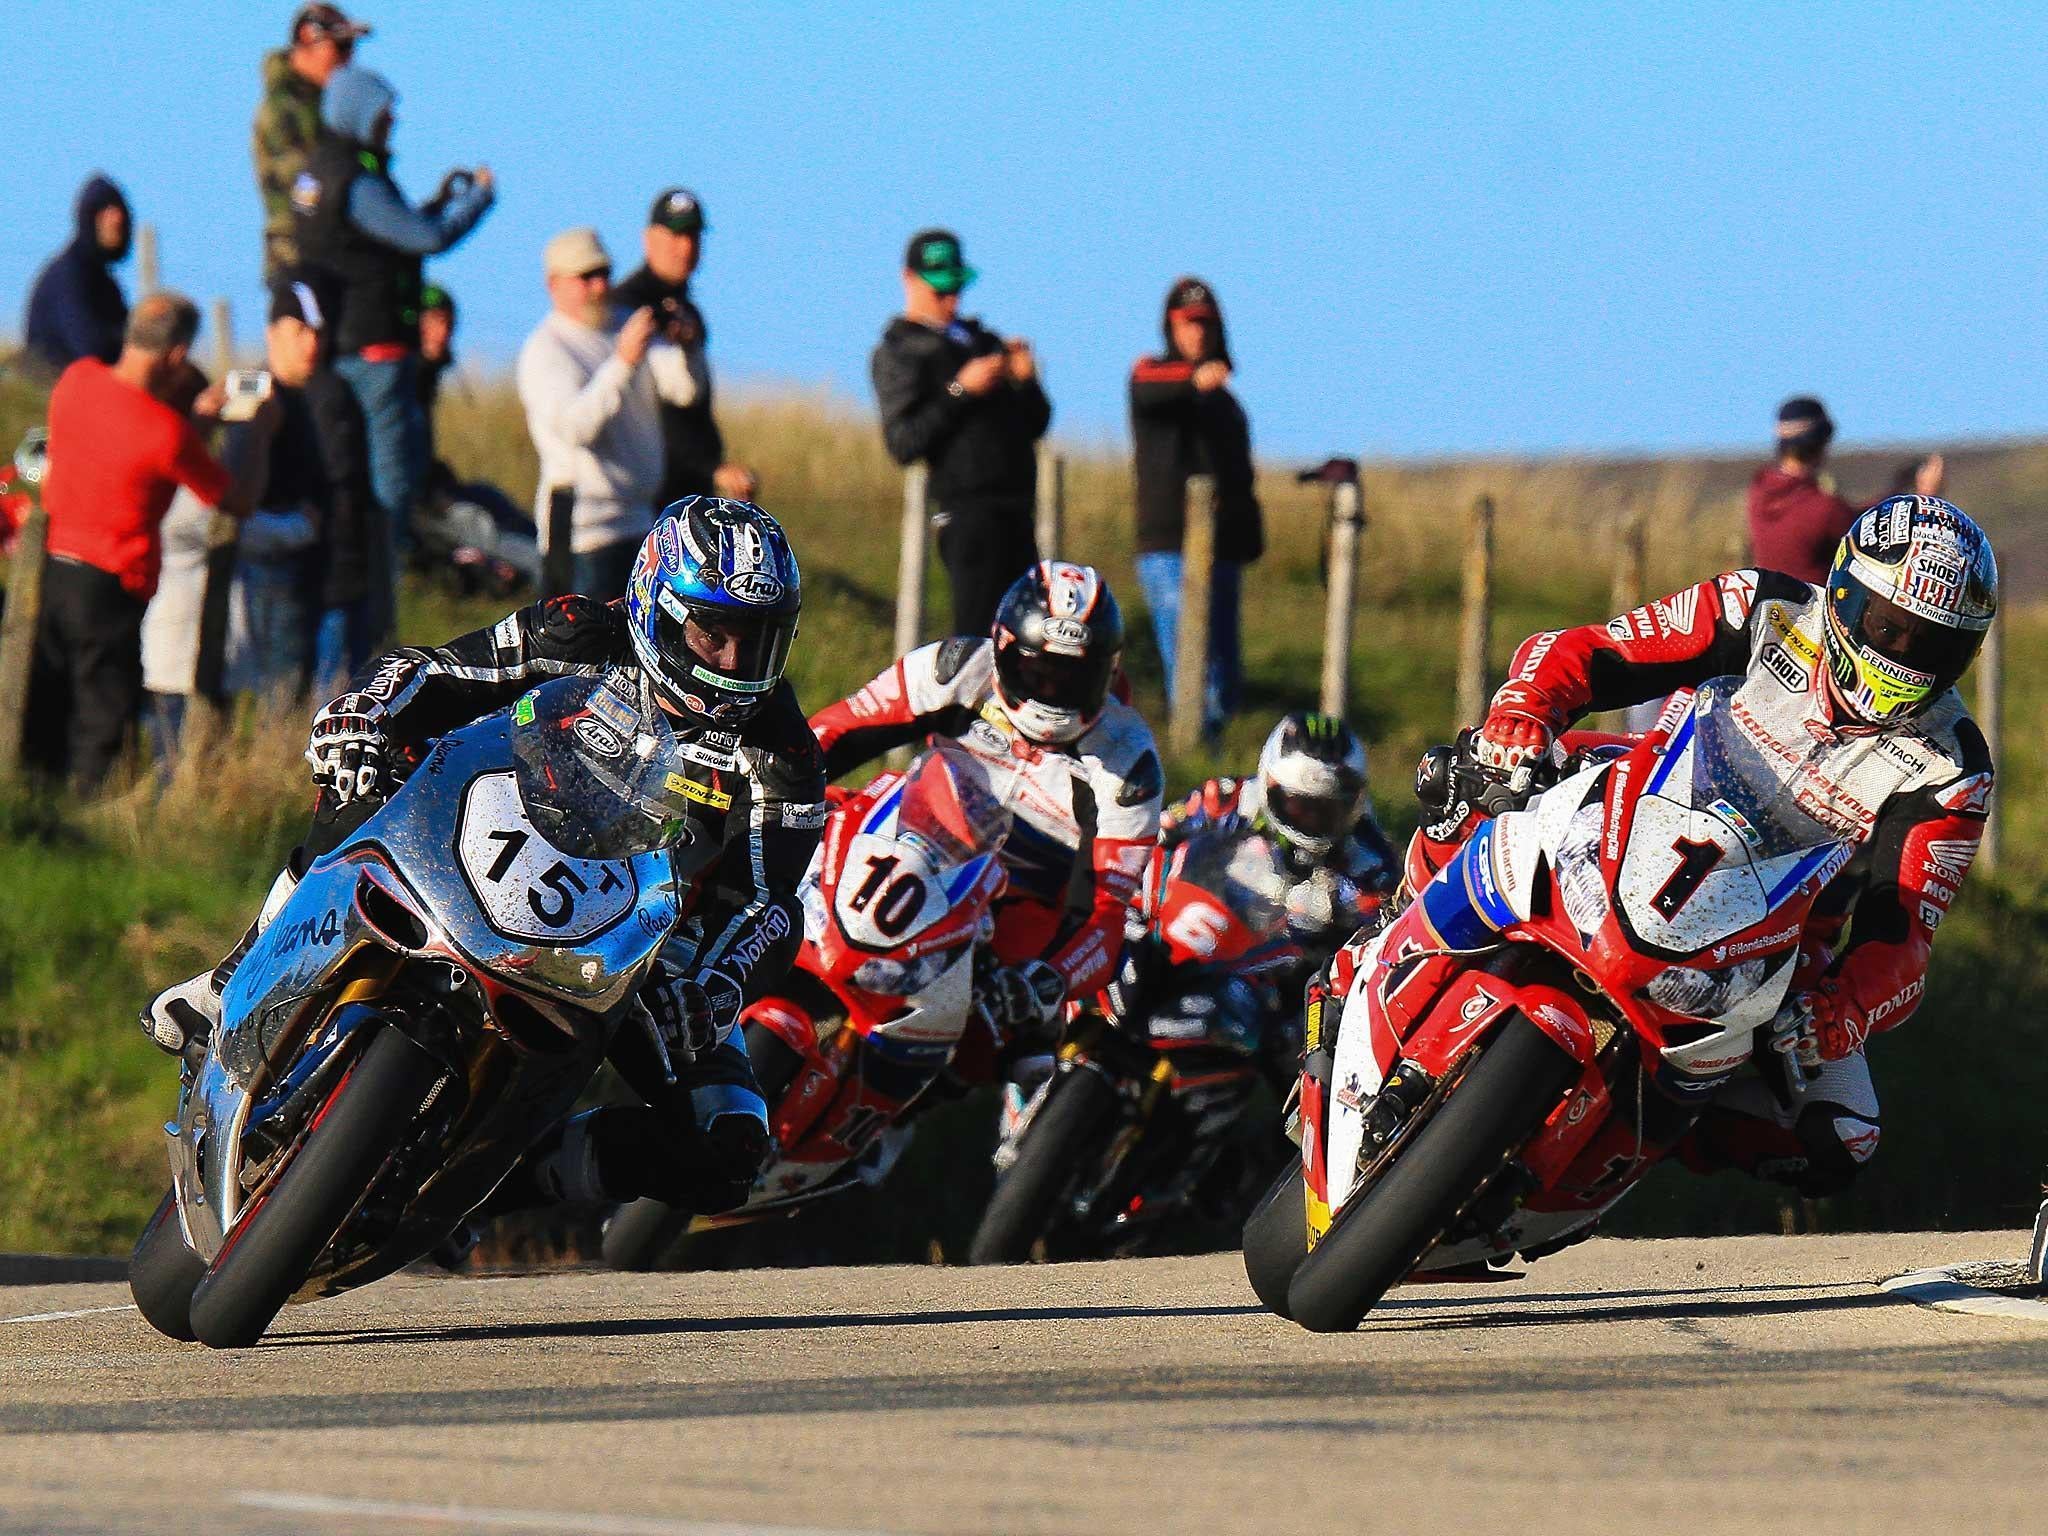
{"x":1695,"y":860}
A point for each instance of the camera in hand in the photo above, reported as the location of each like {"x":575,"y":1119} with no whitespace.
{"x":247,"y":389}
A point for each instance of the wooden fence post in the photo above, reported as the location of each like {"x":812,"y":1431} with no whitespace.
{"x":1347,"y":521}
{"x":1475,"y":631}
{"x":910,"y":566}
{"x":18,"y":636}
{"x":223,"y":338}
{"x":1052,"y":503}
{"x":1191,"y":646}
{"x":146,"y":271}
{"x":1991,"y":720}
{"x":1631,"y":561}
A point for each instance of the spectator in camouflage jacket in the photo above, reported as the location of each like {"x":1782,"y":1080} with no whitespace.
{"x":288,"y":120}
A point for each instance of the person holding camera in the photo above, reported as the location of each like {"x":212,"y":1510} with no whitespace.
{"x":693,"y":449}
{"x":969,"y":404}
{"x":356,"y":225}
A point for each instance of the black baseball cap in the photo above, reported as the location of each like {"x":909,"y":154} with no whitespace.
{"x":1803,"y":419}
{"x":934,"y":256}
{"x":329,"y":20}
{"x":678,"y":211}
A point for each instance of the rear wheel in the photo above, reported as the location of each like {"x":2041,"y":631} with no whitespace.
{"x":1276,"y":1238}
{"x":164,"y":1272}
{"x":1378,"y":1237}
{"x":365,"y":1120}
{"x":1062,"y":1139}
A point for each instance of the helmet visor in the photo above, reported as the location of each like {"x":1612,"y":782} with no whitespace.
{"x":1322,"y":817}
{"x":1058,"y":682}
{"x":718,"y":648}
{"x":1899,"y":659}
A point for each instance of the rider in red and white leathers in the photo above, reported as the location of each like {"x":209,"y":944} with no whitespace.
{"x":1034,"y":703}
{"x":1849,"y":689}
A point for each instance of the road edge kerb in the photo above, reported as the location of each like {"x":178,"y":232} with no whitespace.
{"x":59,"y":1268}
{"x":1941,"y":1290}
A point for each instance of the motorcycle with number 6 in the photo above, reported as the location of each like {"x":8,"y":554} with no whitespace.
{"x":433,"y":995}
{"x":1496,"y":1066}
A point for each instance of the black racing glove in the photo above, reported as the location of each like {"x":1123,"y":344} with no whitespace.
{"x":347,"y":746}
{"x":1022,"y":999}
{"x":678,"y":1016}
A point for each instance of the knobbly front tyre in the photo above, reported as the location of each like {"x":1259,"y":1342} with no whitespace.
{"x":1276,"y":1239}
{"x":163,"y":1273}
{"x":1383,"y":1232}
{"x":1059,"y":1145}
{"x":640,"y":1234}
{"x":268,"y":1255}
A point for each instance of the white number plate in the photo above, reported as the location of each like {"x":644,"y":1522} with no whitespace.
{"x":528,"y":888}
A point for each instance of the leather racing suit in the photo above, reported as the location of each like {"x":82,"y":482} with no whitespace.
{"x":699,"y":1140}
{"x":1912,"y":797}
{"x":1086,"y":813}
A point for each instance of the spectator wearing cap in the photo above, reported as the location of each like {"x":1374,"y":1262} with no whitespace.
{"x":287,"y":126}
{"x":1185,"y":421}
{"x":355,"y":225}
{"x":76,"y":308}
{"x":693,"y":449}
{"x":592,"y":384}
{"x":968,"y":404}
{"x":119,"y":449}
{"x":1795,"y":516}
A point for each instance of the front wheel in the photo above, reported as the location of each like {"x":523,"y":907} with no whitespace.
{"x":1384,"y":1231}
{"x":268,"y":1255}
{"x":163,"y":1273}
{"x":1062,"y":1137}
{"x":640,"y":1234}
{"x":1276,"y":1238}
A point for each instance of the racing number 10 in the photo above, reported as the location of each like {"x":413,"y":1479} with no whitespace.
{"x":1695,"y":861}
{"x":901,"y":902}
{"x":558,"y":877}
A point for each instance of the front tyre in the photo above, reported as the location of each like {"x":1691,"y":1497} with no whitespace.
{"x":640,"y":1234}
{"x":1382,"y":1233}
{"x":1276,"y":1238}
{"x":268,"y":1255}
{"x":163,"y":1273}
{"x":1062,"y":1137}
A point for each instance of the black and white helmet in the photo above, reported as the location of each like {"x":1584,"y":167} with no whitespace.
{"x":1058,"y":637}
{"x":1312,"y":780}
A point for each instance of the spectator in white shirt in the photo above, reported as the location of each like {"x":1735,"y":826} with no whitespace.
{"x":591,"y":391}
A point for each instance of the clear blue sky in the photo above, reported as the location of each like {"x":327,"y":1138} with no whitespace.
{"x":1434,"y":229}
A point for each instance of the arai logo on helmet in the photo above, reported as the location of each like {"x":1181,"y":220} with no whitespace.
{"x":1067,"y":637}
{"x":755,"y":587}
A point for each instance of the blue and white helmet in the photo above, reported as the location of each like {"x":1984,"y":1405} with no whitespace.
{"x":712,"y":606}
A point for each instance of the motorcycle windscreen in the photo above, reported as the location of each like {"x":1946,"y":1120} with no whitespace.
{"x":601,"y":772}
{"x":1734,"y":779}
{"x":1242,"y":872}
{"x":950,"y":805}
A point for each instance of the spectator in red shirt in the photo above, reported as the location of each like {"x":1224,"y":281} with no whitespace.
{"x":119,"y":449}
{"x":1795,"y":516}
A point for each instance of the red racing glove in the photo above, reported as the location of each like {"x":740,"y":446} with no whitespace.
{"x":1514,"y":734}
{"x":1826,"y":1027}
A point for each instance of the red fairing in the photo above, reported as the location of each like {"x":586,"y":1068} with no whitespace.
{"x":884,"y":701}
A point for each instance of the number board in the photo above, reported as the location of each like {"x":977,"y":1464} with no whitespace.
{"x":528,"y":888}
{"x":888,"y":891}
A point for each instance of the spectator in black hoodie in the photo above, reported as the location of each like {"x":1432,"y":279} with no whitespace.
{"x":76,"y":309}
{"x":1185,"y":421}
{"x":968,"y":403}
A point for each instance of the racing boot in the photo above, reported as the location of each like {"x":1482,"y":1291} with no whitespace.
{"x":180,"y":1020}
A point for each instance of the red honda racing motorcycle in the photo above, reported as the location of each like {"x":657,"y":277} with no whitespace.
{"x":878,"y":998}
{"x":1501,"y":1062}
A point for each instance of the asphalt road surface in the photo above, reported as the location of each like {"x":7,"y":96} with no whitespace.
{"x":1739,"y":1385}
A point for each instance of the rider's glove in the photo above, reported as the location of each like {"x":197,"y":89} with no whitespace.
{"x":347,"y":746}
{"x":1022,"y":998}
{"x":1819,"y":1026}
{"x":678,"y":1017}
{"x":1511,"y":738}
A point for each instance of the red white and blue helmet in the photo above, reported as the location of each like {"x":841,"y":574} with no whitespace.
{"x":1059,"y":635}
{"x":722,"y":567}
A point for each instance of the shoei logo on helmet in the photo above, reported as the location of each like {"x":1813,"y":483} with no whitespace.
{"x":1067,"y":637}
{"x":755,"y":587}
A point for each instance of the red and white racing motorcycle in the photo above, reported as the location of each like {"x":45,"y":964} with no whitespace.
{"x":1501,"y":1062}
{"x":879,"y":997}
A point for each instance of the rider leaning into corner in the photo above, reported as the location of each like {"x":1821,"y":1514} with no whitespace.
{"x":1850,"y":689}
{"x":702,"y":632}
{"x":1034,"y":701}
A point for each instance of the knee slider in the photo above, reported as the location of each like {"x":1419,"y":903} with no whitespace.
{"x":1838,"y":1143}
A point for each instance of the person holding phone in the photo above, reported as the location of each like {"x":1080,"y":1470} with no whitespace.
{"x":968,"y":403}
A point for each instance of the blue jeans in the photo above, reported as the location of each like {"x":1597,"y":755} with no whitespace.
{"x":280,"y":627}
{"x":1159,"y":573}
{"x":395,"y":424}
{"x":602,"y":573}
{"x":341,"y":645}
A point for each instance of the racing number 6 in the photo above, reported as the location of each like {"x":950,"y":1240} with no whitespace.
{"x":1695,"y":861}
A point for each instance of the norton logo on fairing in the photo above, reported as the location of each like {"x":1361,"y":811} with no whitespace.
{"x":755,"y":587}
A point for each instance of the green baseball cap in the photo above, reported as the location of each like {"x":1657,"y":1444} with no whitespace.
{"x":934,"y":255}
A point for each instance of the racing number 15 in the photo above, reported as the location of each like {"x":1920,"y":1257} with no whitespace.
{"x":1695,"y":861}
{"x":558,"y":877}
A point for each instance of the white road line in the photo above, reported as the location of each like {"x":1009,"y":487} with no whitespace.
{"x":58,"y":1317}
{"x":1940,"y":1289}
{"x":481,"y":1518}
